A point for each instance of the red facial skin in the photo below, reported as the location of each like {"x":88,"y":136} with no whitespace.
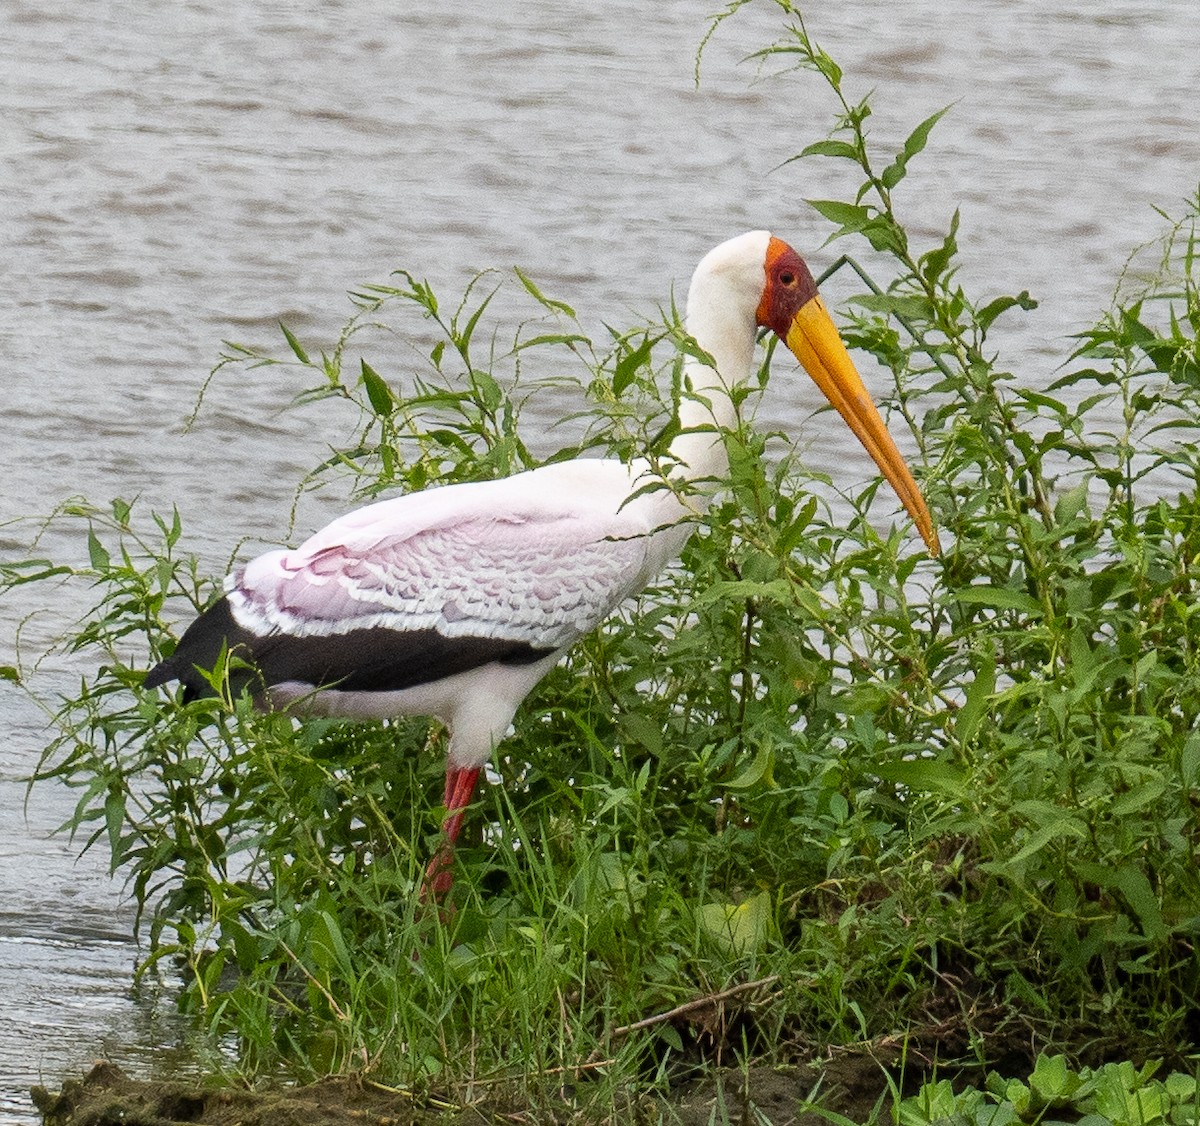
{"x":789,"y":288}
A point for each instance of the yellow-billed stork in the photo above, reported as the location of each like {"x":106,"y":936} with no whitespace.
{"x":454,"y":602}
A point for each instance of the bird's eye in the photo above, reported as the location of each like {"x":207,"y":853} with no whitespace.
{"x":787,"y":278}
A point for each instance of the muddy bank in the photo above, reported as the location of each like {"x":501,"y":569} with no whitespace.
{"x":106,"y":1096}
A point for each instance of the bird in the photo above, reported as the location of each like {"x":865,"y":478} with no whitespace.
{"x":454,"y":601}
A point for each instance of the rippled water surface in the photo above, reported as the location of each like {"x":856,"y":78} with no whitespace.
{"x":175,"y":175}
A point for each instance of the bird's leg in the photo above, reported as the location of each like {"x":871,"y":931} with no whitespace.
{"x":460,"y":788}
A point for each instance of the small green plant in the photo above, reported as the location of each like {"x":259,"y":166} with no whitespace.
{"x":812,"y":789}
{"x":1115,"y":1094}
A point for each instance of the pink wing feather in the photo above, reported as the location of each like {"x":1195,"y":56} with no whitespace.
{"x":473,"y":564}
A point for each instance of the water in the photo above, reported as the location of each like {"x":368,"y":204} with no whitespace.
{"x":175,"y":175}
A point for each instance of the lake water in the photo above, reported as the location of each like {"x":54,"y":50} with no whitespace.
{"x":175,"y":175}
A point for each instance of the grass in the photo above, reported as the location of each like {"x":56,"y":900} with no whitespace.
{"x":813,"y":792}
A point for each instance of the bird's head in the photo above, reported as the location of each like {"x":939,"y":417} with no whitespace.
{"x":759,"y":272}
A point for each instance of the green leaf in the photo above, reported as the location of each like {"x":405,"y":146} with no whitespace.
{"x":490,"y":392}
{"x":464,"y":337}
{"x":642,"y":732}
{"x":999,"y":598}
{"x":985,"y":316}
{"x":1139,"y":798}
{"x":540,"y":297}
{"x":1135,"y":331}
{"x":544,"y":339}
{"x":761,"y":769}
{"x":1017,"y":1093}
{"x":824,"y":64}
{"x":927,"y":776}
{"x":1071,"y":503}
{"x":895,"y":172}
{"x":1180,"y":1088}
{"x":978,"y":698}
{"x":914,"y":306}
{"x":848,"y":215}
{"x":742,"y":929}
{"x":885,"y":234}
{"x":1039,"y":839}
{"x":1137,"y":892}
{"x":1189,"y":763}
{"x":1052,"y":1082}
{"x":774,"y":590}
{"x":328,"y":946}
{"x":114,"y":820}
{"x":936,"y":262}
{"x":378,"y":392}
{"x":97,"y":553}
{"x":1038,"y":399}
{"x":670,"y":1034}
{"x":294,"y":344}
{"x":834,"y":148}
{"x":247,"y":947}
{"x":627,"y":367}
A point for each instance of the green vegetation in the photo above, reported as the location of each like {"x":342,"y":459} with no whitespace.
{"x":940,"y":810}
{"x":1117,"y":1093}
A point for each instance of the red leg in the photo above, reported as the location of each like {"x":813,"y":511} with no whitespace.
{"x":460,"y":788}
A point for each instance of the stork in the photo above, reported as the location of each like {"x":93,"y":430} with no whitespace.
{"x":455,"y":601}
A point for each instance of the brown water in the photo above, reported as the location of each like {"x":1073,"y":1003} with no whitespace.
{"x":175,"y":175}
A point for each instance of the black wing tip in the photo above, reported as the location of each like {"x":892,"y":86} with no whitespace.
{"x":369,"y":659}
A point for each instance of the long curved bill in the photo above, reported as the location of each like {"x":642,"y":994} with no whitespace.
{"x":813,"y":339}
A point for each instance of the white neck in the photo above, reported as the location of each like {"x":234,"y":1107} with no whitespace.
{"x":705,"y":409}
{"x":721,"y":306}
{"x":722,"y":302}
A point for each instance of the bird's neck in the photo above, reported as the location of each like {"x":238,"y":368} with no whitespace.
{"x":706,"y":405}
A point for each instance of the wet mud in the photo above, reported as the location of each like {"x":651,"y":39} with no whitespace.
{"x":851,"y":1085}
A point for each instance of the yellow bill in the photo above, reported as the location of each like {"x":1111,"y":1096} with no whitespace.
{"x":814,"y":341}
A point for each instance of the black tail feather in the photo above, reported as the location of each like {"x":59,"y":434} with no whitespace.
{"x":368,"y":659}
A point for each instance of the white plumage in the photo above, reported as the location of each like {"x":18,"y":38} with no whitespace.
{"x":539,"y":557}
{"x":455,"y":601}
